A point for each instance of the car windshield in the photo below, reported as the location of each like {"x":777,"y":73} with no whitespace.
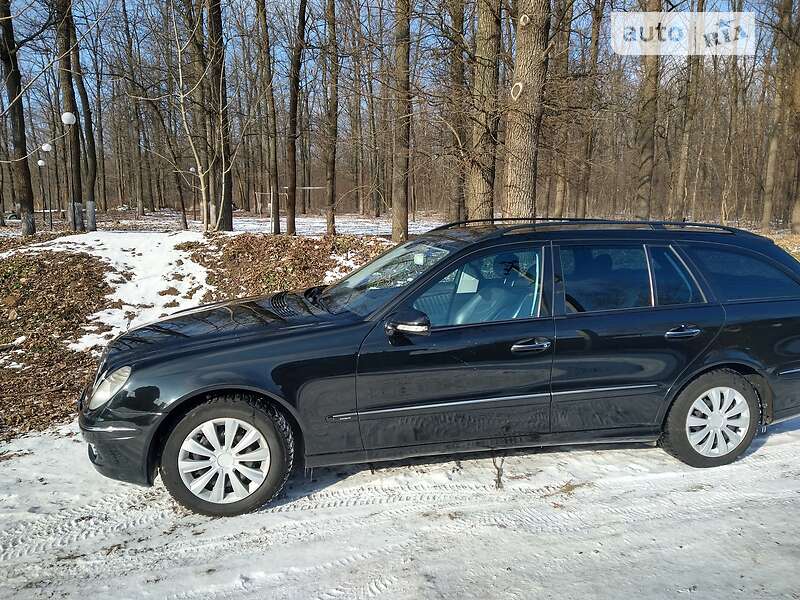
{"x":378,"y":282}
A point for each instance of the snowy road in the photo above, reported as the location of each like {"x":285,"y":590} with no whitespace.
{"x":567,"y":523}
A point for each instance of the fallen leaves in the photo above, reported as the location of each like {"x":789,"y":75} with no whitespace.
{"x":255,"y":264}
{"x":45,"y":299}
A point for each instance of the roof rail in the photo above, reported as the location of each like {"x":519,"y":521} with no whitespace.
{"x":522,"y":221}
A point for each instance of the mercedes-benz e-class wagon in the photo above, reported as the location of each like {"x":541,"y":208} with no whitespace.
{"x":474,"y":336}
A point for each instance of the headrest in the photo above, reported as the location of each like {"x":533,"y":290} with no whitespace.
{"x":505,"y":264}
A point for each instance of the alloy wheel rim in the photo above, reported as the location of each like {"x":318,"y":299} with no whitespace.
{"x":718,"y":422}
{"x":224,"y":460}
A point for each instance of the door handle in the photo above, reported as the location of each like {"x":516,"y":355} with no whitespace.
{"x":534,"y":345}
{"x":683,"y":332}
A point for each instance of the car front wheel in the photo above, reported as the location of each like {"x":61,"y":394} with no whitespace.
{"x":228,"y":456}
{"x":713,"y":420}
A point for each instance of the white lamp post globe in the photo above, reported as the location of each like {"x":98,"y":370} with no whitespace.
{"x":47,"y":147}
{"x":68,"y":118}
{"x":40,"y":162}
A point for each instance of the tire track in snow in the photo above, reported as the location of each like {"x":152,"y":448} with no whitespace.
{"x":53,"y":535}
{"x":111,"y":515}
{"x":120,"y":513}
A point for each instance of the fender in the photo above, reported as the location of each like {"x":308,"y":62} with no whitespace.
{"x":703,"y":364}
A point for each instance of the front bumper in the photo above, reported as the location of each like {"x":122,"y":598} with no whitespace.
{"x":117,"y":449}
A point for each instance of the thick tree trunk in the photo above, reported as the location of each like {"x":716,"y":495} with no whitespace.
{"x":402,"y":140}
{"x":18,"y":153}
{"x":646,"y":128}
{"x":291,"y":131}
{"x":332,"y":114}
{"x":480,"y":193}
{"x":525,"y":108}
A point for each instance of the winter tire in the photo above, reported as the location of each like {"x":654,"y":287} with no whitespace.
{"x":228,"y":456}
{"x":713,"y":420}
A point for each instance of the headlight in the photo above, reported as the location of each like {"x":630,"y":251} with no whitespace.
{"x":108,"y":387}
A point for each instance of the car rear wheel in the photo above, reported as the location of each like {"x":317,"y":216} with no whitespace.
{"x":713,"y":421}
{"x":228,"y":456}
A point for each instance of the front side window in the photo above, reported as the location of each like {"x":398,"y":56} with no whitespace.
{"x":605,"y":277}
{"x":673,"y":283}
{"x":736,"y":275}
{"x":378,"y":282}
{"x":500,"y":286}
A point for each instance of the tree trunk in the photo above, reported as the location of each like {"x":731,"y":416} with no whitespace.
{"x":291,"y":131}
{"x":456,"y":202}
{"x":88,"y":132}
{"x":591,"y":130}
{"x":272,"y":126}
{"x":64,"y":35}
{"x":677,"y":204}
{"x":795,"y":83}
{"x":220,"y":95}
{"x":332,"y":114}
{"x":480,"y":194}
{"x":782,"y":71}
{"x":646,"y":128}
{"x":560,"y":91}
{"x":525,"y":107}
{"x":402,"y":141}
{"x":18,"y":154}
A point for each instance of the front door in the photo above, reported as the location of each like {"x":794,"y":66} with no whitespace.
{"x":629,"y":320}
{"x":484,"y":370}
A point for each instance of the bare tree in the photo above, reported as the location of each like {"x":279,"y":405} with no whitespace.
{"x":64,"y":36}
{"x":777,"y":115}
{"x":525,"y":107}
{"x":18,"y":154}
{"x":332,"y":114}
{"x":480,"y":193}
{"x":291,"y":132}
{"x":88,"y":130}
{"x":403,"y":110}
{"x":646,"y":127}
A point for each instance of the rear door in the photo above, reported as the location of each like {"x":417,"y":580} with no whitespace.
{"x":629,"y":319}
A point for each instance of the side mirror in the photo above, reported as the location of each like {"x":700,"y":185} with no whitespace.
{"x":407,"y":322}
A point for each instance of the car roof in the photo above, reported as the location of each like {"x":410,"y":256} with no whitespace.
{"x":484,"y":230}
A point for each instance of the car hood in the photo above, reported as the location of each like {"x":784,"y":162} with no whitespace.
{"x":218,"y":323}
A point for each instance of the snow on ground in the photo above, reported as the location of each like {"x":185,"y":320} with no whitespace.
{"x":305,"y":224}
{"x":566,"y":523}
{"x":150,"y":278}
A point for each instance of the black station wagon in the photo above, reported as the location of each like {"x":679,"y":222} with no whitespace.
{"x":474,"y":336}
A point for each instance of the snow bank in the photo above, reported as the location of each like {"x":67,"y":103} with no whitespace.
{"x":151,"y":278}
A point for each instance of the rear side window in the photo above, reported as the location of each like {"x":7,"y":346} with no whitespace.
{"x":673,"y":283}
{"x":736,"y":275}
{"x":606,"y":277}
